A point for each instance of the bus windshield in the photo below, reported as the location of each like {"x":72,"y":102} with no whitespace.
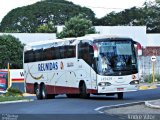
{"x":116,"y":58}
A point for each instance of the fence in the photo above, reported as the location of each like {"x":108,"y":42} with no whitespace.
{"x":146,"y":69}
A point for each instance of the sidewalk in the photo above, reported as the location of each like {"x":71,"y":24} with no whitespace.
{"x":153,"y":104}
{"x":147,"y":86}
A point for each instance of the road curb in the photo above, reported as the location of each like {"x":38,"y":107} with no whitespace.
{"x":147,"y":87}
{"x":27,"y":94}
{"x":144,"y":87}
{"x":103,"y":108}
{"x":149,"y":104}
{"x":17,"y":101}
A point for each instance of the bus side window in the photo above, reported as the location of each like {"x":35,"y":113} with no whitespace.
{"x":91,"y":54}
{"x":26,"y":56}
{"x":53,"y":53}
{"x":61,"y":49}
{"x":39,"y":55}
{"x":57,"y":52}
{"x":47,"y":54}
{"x":86,"y":53}
{"x":30,"y":56}
{"x":65,"y":51}
{"x":44,"y":54}
{"x":71,"y":52}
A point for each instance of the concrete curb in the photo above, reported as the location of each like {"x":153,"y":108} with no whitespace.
{"x":27,"y":94}
{"x":103,"y":108}
{"x":147,"y":87}
{"x":17,"y":101}
{"x":151,"y":105}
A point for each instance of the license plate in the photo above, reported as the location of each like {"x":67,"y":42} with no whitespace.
{"x":120,"y":89}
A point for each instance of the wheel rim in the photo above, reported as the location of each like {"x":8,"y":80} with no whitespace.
{"x":37,"y":92}
{"x":43,"y":94}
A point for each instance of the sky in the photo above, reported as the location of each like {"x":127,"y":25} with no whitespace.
{"x":100,"y":7}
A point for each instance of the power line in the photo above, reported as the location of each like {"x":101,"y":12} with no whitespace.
{"x":105,"y":7}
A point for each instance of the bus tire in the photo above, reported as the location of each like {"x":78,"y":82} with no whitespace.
{"x":83,"y":91}
{"x":38,"y":93}
{"x":44,"y":93}
{"x":120,"y":95}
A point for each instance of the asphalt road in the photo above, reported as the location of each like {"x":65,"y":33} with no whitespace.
{"x":69,"y":108}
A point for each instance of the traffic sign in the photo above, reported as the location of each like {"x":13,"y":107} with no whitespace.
{"x":153,"y":58}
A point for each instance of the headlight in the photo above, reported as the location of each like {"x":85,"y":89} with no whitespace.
{"x":134,"y":82}
{"x":104,"y":84}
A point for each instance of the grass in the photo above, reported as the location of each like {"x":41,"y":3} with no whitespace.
{"x":12,"y":94}
{"x":10,"y":98}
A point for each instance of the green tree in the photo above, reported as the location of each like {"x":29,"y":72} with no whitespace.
{"x":11,"y":50}
{"x":157,"y":1}
{"x":148,"y":15}
{"x":76,"y":27}
{"x":46,"y":28}
{"x":28,"y":18}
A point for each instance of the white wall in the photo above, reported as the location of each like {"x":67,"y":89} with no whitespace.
{"x":137,"y":33}
{"x":32,"y":37}
{"x":153,"y":39}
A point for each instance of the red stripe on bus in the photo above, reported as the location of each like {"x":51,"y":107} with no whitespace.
{"x":57,"y":89}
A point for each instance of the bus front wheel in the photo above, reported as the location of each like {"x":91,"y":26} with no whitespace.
{"x":83,"y":91}
{"x":120,"y":95}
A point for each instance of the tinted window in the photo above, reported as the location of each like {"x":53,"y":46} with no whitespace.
{"x":86,"y":53}
{"x":29,"y":56}
{"x":38,"y":55}
{"x":50,"y":54}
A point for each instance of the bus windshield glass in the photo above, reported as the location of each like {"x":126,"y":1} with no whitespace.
{"x":116,"y":58}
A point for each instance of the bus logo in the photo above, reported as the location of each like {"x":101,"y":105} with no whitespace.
{"x":61,"y":65}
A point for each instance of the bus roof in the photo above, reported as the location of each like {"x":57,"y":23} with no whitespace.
{"x":49,"y":43}
{"x":100,"y":36}
{"x":68,"y":41}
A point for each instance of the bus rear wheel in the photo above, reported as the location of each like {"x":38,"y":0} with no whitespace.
{"x":44,"y":93}
{"x":38,"y":93}
{"x":83,"y":91}
{"x":120,"y":95}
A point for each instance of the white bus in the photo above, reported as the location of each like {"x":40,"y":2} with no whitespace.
{"x":92,"y":64}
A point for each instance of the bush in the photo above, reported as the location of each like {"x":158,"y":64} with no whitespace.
{"x":149,"y":78}
{"x":13,"y":92}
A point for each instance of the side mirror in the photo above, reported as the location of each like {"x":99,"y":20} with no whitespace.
{"x":139,"y":52}
{"x":96,"y":52}
{"x":138,"y":48}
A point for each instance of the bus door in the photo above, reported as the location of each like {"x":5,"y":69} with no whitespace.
{"x":86,"y":53}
